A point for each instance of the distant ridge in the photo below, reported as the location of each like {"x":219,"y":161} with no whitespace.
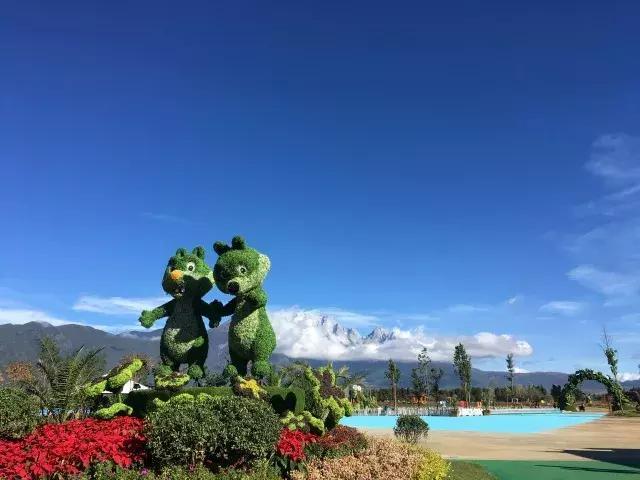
{"x":20,"y":342}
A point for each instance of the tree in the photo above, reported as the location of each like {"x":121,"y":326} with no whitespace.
{"x":556,"y":392}
{"x":420,"y":375}
{"x":57,"y":380}
{"x":393,"y":374}
{"x":435,"y":376}
{"x":462,"y":364}
{"x":511,"y":370}
{"x":612,"y":357}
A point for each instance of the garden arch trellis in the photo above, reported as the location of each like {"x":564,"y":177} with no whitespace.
{"x":568,"y":396}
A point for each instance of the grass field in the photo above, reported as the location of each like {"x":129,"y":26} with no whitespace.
{"x":554,"y":470}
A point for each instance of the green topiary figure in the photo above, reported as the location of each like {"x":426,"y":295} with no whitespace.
{"x":113,"y":382}
{"x":187,"y":279}
{"x":240,"y":271}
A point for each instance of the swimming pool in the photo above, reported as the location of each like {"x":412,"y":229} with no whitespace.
{"x":508,"y":423}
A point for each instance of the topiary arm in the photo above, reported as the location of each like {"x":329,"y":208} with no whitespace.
{"x":208,"y":310}
{"x":257,"y":297}
{"x":224,"y":310}
{"x":148,"y":317}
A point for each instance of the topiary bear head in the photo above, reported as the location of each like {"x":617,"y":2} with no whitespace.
{"x":187,"y":275}
{"x":239,"y":269}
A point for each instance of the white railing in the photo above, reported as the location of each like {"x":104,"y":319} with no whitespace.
{"x":421,"y":411}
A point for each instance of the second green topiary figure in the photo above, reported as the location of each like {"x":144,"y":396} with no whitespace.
{"x":240,"y":271}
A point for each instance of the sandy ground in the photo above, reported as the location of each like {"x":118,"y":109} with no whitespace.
{"x":606,"y":439}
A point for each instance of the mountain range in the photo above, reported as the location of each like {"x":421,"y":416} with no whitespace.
{"x":21,"y":342}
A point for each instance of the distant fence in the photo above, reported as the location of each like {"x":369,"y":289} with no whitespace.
{"x":421,"y":411}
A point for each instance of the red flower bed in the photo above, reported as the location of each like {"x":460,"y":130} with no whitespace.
{"x":292,"y":443}
{"x":69,"y":448}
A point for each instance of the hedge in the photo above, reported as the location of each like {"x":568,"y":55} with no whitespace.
{"x":282,"y":399}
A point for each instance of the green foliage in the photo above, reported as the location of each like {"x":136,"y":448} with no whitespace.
{"x":183,"y":433}
{"x":462,"y":364}
{"x":281,"y":399}
{"x":240,"y":271}
{"x":19,"y":413}
{"x":225,"y":430}
{"x":410,"y":428}
{"x":58,"y":380}
{"x":187,"y":278}
{"x":511,"y":371}
{"x":113,"y":410}
{"x":118,"y":377}
{"x":106,"y":471}
{"x":569,"y":392}
{"x":305,"y":421}
{"x":251,"y":429}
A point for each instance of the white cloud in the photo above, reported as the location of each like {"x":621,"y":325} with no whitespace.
{"x":520,"y":370}
{"x":347,"y":318}
{"x":310,"y":334}
{"x":464,"y":308}
{"x":616,"y":158}
{"x":20,"y":316}
{"x":627,"y":377}
{"x":563,"y":307}
{"x":617,"y":286}
{"x":117,"y":305}
{"x":515,"y":299}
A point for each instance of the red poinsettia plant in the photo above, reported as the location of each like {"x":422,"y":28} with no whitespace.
{"x":71,"y":447}
{"x":290,"y":454}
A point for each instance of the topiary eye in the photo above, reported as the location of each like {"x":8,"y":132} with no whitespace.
{"x":191,"y":266}
{"x":242,"y":270}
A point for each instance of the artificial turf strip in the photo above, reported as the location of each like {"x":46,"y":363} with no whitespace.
{"x":469,"y":471}
{"x":550,"y":470}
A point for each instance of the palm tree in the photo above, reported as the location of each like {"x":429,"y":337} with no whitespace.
{"x":58,"y":380}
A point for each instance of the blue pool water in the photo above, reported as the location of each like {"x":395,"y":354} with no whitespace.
{"x":512,"y":423}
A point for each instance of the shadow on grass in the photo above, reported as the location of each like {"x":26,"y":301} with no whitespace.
{"x":629,"y":457}
{"x":584,"y":468}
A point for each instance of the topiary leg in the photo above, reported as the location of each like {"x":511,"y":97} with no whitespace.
{"x":238,"y":366}
{"x":195,"y":371}
{"x":261,"y":369}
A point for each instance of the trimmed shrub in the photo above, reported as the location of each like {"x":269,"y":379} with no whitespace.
{"x":281,"y":399}
{"x":251,"y":429}
{"x":225,"y":430}
{"x":410,"y":428}
{"x":19,"y":413}
{"x":183,"y":433}
{"x":107,"y":471}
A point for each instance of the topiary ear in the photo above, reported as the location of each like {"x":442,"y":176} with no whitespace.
{"x":181,"y":252}
{"x":199,"y":252}
{"x":221,"y":247}
{"x":238,"y":243}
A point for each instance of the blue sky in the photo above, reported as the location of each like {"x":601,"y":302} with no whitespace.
{"x":460,"y":169}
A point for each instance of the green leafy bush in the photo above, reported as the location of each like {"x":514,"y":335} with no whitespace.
{"x":225,"y":430}
{"x":281,"y":399}
{"x":106,"y":471}
{"x":410,"y":428}
{"x":19,"y":413}
{"x":250,"y":429}
{"x":183,"y":433}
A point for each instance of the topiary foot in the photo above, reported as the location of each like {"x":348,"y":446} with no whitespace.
{"x":261,"y":369}
{"x":195,"y":372}
{"x":230,"y":372}
{"x":173,"y":381}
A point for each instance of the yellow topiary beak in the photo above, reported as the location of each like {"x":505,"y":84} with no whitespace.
{"x":176,"y":275}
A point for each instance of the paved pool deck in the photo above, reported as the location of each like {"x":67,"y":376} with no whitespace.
{"x":607,"y":439}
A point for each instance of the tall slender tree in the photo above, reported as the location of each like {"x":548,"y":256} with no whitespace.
{"x":435,"y":376}
{"x":462,"y":364}
{"x":612,"y":358}
{"x":511,"y":372}
{"x":393,"y":374}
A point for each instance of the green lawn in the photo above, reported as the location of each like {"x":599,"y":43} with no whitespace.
{"x":549,"y":470}
{"x":468,"y":471}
